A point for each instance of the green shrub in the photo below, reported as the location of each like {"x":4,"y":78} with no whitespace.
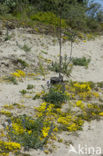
{"x":23,"y":92}
{"x":3,"y":9}
{"x":55,"y":97}
{"x":30,"y":86}
{"x":100,"y":84}
{"x":11,"y":79}
{"x":81,"y":61}
{"x":48,"y":18}
{"x":10,"y":3}
{"x":22,"y":62}
{"x":91,"y":84}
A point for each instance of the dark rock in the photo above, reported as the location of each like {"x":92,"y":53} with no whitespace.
{"x":55,"y":80}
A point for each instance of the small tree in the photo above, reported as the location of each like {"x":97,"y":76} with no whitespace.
{"x":61,"y":6}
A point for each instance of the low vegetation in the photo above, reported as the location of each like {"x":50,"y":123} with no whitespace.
{"x":23,"y":92}
{"x":66,"y":66}
{"x":65,"y":106}
{"x":30,"y":86}
{"x":56,"y":97}
{"x":81,"y":61}
{"x":11,"y":79}
{"x":50,"y":118}
{"x":22,"y":62}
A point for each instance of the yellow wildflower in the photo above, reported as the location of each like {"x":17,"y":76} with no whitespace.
{"x":45,"y":131}
{"x":101,"y":114}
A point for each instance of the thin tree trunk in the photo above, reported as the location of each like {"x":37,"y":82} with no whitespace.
{"x":60,"y":44}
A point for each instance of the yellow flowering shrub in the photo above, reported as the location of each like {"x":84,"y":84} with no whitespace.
{"x":101,"y":114}
{"x":6,"y":113}
{"x":19,"y":74}
{"x":82,"y":87}
{"x":44,"y":108}
{"x":6,"y":147}
{"x":45,"y":131}
{"x":80,"y":104}
{"x":8,"y":107}
{"x":17,"y":128}
{"x":73,"y":127}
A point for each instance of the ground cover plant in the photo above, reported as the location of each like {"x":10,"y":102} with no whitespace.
{"x":81,"y":61}
{"x":56,"y":97}
{"x":11,"y":79}
{"x":28,"y":131}
{"x":19,"y":75}
{"x":22,"y":62}
{"x":30,"y":86}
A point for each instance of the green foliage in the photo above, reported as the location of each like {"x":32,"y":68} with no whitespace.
{"x":77,"y":18}
{"x":22,"y":62}
{"x":44,"y":52}
{"x":66,"y":67}
{"x":11,"y":79}
{"x":99,"y":16}
{"x":36,"y":97}
{"x":21,"y":154}
{"x":29,"y":133}
{"x":56,"y":97}
{"x":10,"y":3}
{"x":93,"y":25}
{"x":95,"y":109}
{"x":48,"y":18}
{"x":75,"y":14}
{"x":30,"y":86}
{"x":81,"y":61}
{"x":91,"y":84}
{"x":41,"y":68}
{"x":100,"y":84}
{"x":3,"y":9}
{"x":23,"y":92}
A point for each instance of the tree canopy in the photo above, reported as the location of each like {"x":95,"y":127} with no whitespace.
{"x":76,"y":13}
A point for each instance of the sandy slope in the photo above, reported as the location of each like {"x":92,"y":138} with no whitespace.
{"x":92,"y":134}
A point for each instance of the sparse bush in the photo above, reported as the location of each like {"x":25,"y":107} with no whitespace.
{"x":81,"y":61}
{"x":23,"y":92}
{"x":41,"y":68}
{"x":11,"y":79}
{"x":66,"y":67}
{"x":91,"y":84}
{"x":30,"y":86}
{"x":22,"y":62}
{"x":100,"y":84}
